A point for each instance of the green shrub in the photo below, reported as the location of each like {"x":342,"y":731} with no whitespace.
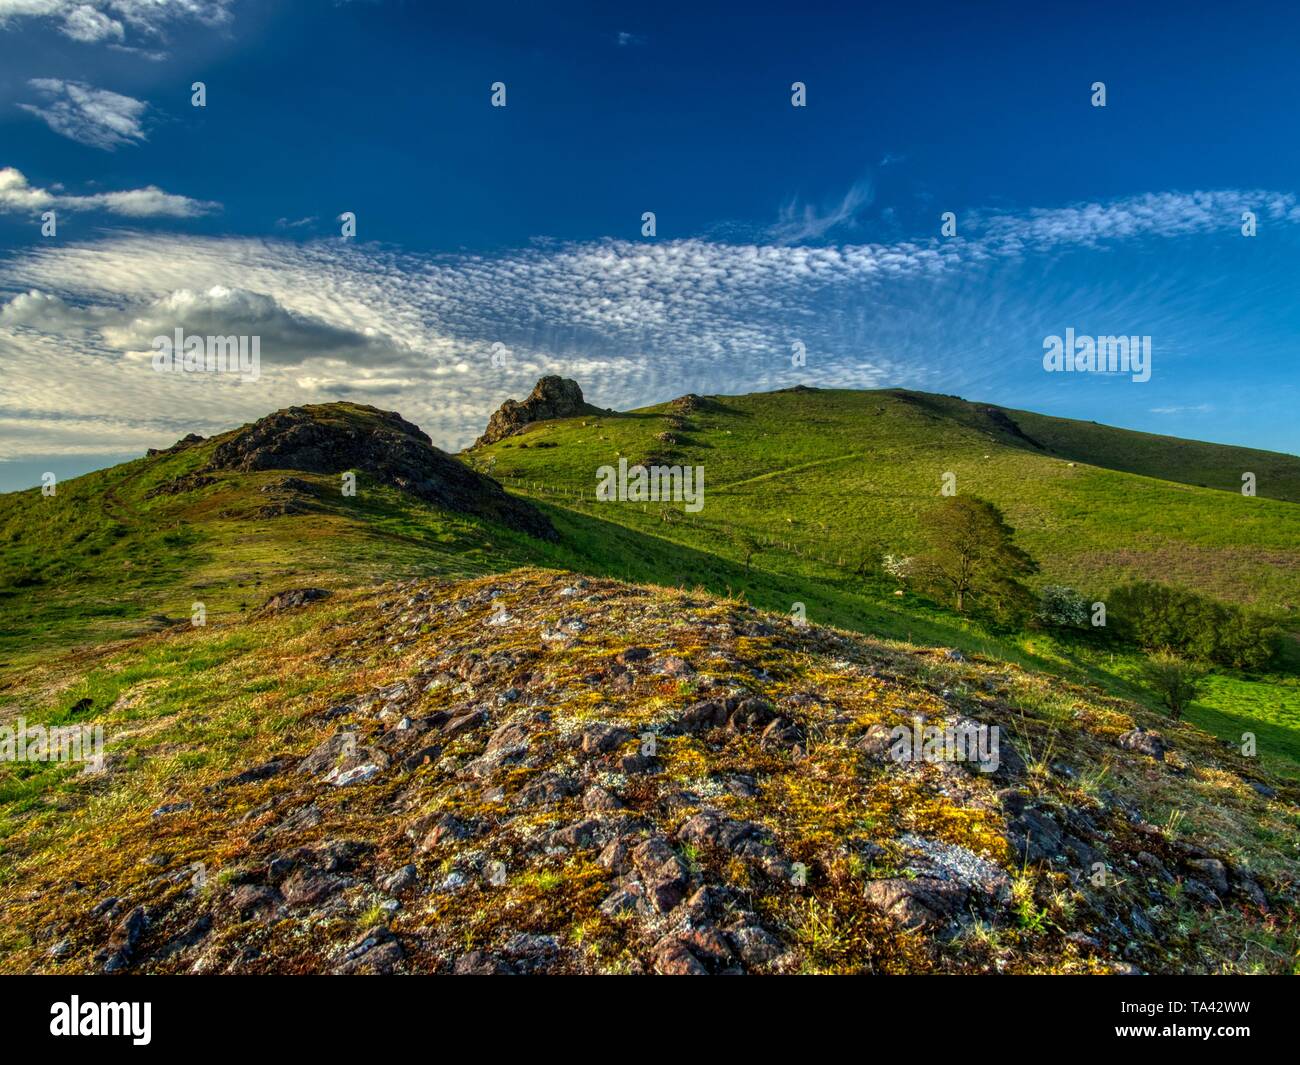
{"x":1157,"y":617}
{"x":1174,"y":680}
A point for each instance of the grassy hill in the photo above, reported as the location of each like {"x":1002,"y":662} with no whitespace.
{"x":829,"y":472}
{"x":800,"y":485}
{"x":347,"y":777}
{"x":819,"y":479}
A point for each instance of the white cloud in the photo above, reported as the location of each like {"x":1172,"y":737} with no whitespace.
{"x":47,"y":312}
{"x":80,"y":112}
{"x":1198,"y":408}
{"x":1162,"y":214}
{"x":98,"y":21}
{"x":633,"y":322}
{"x":84,"y":23}
{"x":18,"y":196}
{"x":286,"y":337}
{"x":802,"y":221}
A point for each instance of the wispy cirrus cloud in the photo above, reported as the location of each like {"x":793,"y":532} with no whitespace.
{"x":19,"y":196}
{"x":83,"y":113}
{"x":801,"y":221}
{"x":1196,"y":408}
{"x":1157,"y":214}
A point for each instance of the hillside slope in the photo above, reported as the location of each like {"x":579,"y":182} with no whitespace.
{"x":833,"y":473}
{"x":540,"y":772}
{"x":135,"y":547}
{"x":1166,"y":458}
{"x":801,"y":487}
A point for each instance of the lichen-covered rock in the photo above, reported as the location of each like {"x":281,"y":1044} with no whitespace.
{"x":1144,"y":741}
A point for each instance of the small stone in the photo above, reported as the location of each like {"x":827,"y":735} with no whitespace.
{"x":453,"y":881}
{"x":673,"y":958}
{"x":354,"y":775}
{"x":601,"y":738}
{"x":755,"y":945}
{"x":617,"y":855}
{"x":464,"y":722}
{"x":919,"y":903}
{"x":1212,"y":871}
{"x":597,"y":799}
{"x":309,"y":889}
{"x":1152,"y":744}
{"x":447,"y":828}
{"x":579,"y":834}
{"x":402,"y":880}
{"x":253,"y":900}
{"x":673,"y":666}
{"x":877,"y":743}
{"x":623,"y":899}
{"x":479,"y":963}
{"x":325,"y":755}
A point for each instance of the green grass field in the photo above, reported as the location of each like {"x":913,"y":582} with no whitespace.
{"x":800,"y":487}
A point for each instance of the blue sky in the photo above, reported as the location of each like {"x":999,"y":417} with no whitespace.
{"x":518,"y":228}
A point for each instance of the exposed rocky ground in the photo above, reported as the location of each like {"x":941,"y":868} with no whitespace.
{"x":541,"y":773}
{"x":551,"y":397}
{"x":383,"y":444}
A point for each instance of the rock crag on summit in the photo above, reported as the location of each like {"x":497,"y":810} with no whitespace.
{"x":551,"y":397}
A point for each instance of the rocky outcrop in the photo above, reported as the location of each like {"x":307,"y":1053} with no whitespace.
{"x":187,"y":441}
{"x":551,"y":397}
{"x":337,"y":438}
{"x":694,"y":785}
{"x":294,"y":597}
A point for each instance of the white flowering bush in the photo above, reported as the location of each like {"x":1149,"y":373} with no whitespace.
{"x":1062,"y":608}
{"x":897,"y":566}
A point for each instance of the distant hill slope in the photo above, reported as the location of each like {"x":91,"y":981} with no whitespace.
{"x":540,"y":772}
{"x":1167,"y":458}
{"x":832,"y":473}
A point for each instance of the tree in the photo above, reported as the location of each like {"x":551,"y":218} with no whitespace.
{"x":1157,"y":617}
{"x":897,"y":566}
{"x":1174,"y":680}
{"x":747,"y":544}
{"x":972,"y":559}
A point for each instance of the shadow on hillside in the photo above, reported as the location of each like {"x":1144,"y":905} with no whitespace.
{"x":604,"y":548}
